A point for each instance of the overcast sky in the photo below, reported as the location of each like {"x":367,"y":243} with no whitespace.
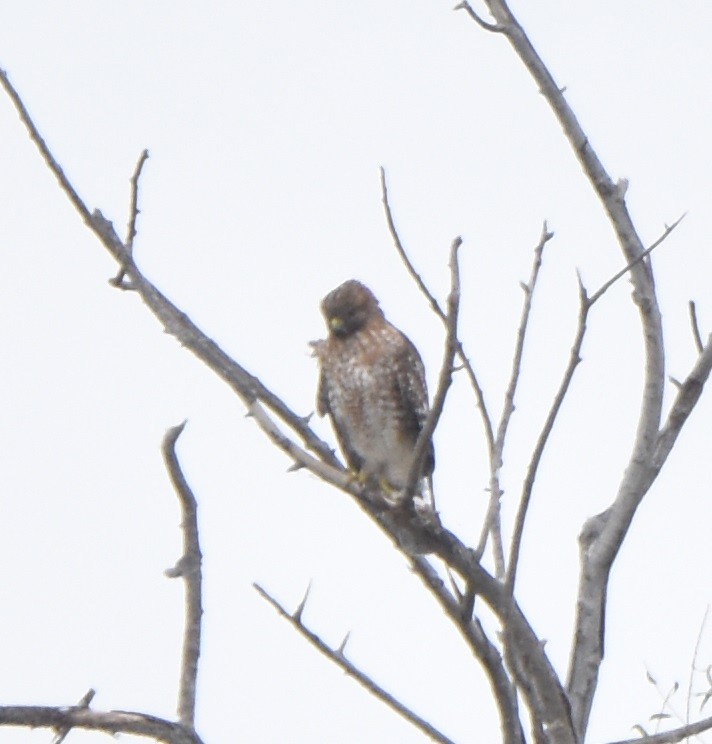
{"x":266,"y":125}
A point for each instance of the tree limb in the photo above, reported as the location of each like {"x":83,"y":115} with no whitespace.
{"x":532,"y":469}
{"x":445,"y":377}
{"x":672,"y":737}
{"x":337,"y":657}
{"x":602,"y":551}
{"x":189,"y":568}
{"x":175,"y":322}
{"x":435,"y":305}
{"x":110,"y":722}
{"x":491,"y":524}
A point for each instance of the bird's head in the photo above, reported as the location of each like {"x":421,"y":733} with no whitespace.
{"x":349,"y":307}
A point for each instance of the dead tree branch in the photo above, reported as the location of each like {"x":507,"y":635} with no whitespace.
{"x":604,"y":536}
{"x":337,"y":656}
{"x":175,"y":322}
{"x":491,"y":524}
{"x":460,"y":613}
{"x":695,"y":327}
{"x":117,"y":281}
{"x":672,"y":737}
{"x":189,"y":568}
{"x":445,"y":377}
{"x":435,"y":305}
{"x":532,"y":469}
{"x":110,"y":722}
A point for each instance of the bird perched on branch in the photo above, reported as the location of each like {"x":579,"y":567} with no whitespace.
{"x":372,"y":385}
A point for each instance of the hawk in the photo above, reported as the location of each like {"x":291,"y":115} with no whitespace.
{"x":372,"y":385}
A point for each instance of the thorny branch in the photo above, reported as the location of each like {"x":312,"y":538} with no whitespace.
{"x":338,"y":657}
{"x":189,"y":568}
{"x":111,"y":722}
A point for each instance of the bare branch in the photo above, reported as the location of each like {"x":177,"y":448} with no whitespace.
{"x":134,"y":210}
{"x":574,"y":359}
{"x":545,"y":696}
{"x":117,"y":281}
{"x":189,"y":567}
{"x":508,"y":408}
{"x":496,"y":456}
{"x":338,"y":658}
{"x":695,"y":326}
{"x":583,"y":675}
{"x":174,"y":321}
{"x":672,"y":737}
{"x":435,"y":305}
{"x":110,"y":722}
{"x":687,"y":396}
{"x":607,"y":285}
{"x":459,"y":610}
{"x":445,"y":378}
{"x":493,"y":27}
{"x":47,"y":156}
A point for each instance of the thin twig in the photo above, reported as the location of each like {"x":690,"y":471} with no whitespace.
{"x":574,"y":359}
{"x":435,"y":305}
{"x":508,"y":407}
{"x":47,"y":156}
{"x":695,"y":326}
{"x":445,"y":377}
{"x":338,"y":658}
{"x":492,"y":524}
{"x":672,"y":737}
{"x":607,"y":285}
{"x":693,"y":666}
{"x":134,"y":210}
{"x":688,"y":394}
{"x":117,"y":281}
{"x":459,"y":610}
{"x":190,"y":570}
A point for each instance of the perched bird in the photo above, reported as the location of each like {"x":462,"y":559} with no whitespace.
{"x":372,"y":385}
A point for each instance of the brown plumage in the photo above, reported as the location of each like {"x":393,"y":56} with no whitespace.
{"x":372,"y":385}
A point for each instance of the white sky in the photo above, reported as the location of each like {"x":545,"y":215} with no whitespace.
{"x":266,"y":124}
